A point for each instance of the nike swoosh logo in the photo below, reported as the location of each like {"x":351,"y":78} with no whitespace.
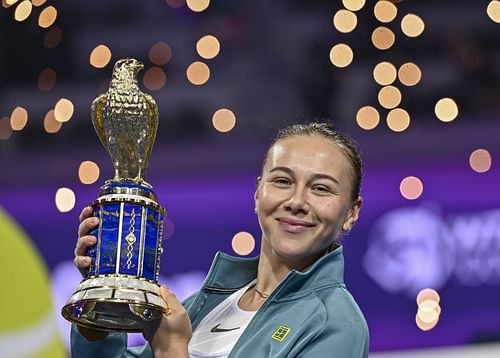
{"x":217,"y":329}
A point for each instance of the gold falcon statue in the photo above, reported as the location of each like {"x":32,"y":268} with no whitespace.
{"x":126,"y":120}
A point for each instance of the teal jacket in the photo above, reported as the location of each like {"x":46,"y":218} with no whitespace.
{"x":310,"y":314}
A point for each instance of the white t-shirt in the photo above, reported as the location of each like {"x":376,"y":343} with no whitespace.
{"x":218,"y":332}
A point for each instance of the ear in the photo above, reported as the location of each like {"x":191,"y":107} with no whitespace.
{"x":352,"y":215}
{"x":257,"y":187}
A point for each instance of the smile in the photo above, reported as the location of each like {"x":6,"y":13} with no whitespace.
{"x":294,"y":226}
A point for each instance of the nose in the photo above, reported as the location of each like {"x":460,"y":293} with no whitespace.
{"x":297,"y":202}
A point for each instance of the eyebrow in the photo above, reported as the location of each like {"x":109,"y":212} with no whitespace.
{"x":315,"y":176}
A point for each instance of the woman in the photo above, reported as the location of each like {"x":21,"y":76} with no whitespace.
{"x":290,"y":301}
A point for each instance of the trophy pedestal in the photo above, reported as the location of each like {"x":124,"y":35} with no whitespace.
{"x":114,"y":304}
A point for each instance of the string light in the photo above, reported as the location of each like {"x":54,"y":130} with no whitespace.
{"x":65,"y":200}
{"x":243,"y":243}
{"x":389,"y":97}
{"x":353,"y":5}
{"x":47,"y":17}
{"x":63,"y":110}
{"x":398,"y":120}
{"x":100,"y":56}
{"x":155,"y":78}
{"x":384,"y":73}
{"x":345,"y":21}
{"x":47,"y":79}
{"x":409,"y":74}
{"x":446,"y":110}
{"x":411,"y":188}
{"x":341,"y":55}
{"x":88,"y":172}
{"x":224,"y":120}
{"x":198,"y":5}
{"x":428,"y":309}
{"x":50,"y":124}
{"x":38,"y":2}
{"x":493,"y":10}
{"x":23,"y":10}
{"x":480,"y":160}
{"x":383,"y":38}
{"x":367,"y":117}
{"x":385,"y":11}
{"x":198,"y":73}
{"x":52,"y":37}
{"x":208,"y":47}
{"x":160,"y":53}
{"x":412,"y":25}
{"x":18,"y":118}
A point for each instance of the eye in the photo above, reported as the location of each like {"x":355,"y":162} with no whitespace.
{"x":282,"y":182}
{"x":321,"y":189}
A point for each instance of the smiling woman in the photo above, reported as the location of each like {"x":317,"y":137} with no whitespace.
{"x":290,"y":301}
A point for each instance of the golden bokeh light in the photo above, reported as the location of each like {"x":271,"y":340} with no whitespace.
{"x":367,"y":117}
{"x":198,"y":73}
{"x":493,"y":10}
{"x":18,"y":118}
{"x":47,"y":17}
{"x":208,"y":47}
{"x":383,"y":38}
{"x":65,"y":200}
{"x":389,"y":97}
{"x":5,"y":128}
{"x":175,"y":3}
{"x":38,"y":2}
{"x":409,"y":74}
{"x":100,"y":56}
{"x":480,"y":160}
{"x":423,"y":325}
{"x":47,"y":79}
{"x":427,"y":294}
{"x":243,"y":243}
{"x":9,"y":2}
{"x":223,"y":120}
{"x":341,"y":55}
{"x":412,"y":25}
{"x":345,"y":21}
{"x":23,"y":10}
{"x":63,"y":110}
{"x":430,"y":305}
{"x":411,"y":188}
{"x":398,"y":120}
{"x":427,"y":314}
{"x":384,"y":73}
{"x":385,"y":11}
{"x":52,"y":37}
{"x":50,"y":124}
{"x":154,"y":78}
{"x":88,"y":172}
{"x":446,"y":110}
{"x":353,"y":5}
{"x":160,"y":53}
{"x":197,"y":5}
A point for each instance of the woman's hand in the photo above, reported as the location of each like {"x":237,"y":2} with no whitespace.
{"x":169,"y":336}
{"x":87,"y":223}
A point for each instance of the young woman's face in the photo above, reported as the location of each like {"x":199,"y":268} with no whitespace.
{"x":303,"y":199}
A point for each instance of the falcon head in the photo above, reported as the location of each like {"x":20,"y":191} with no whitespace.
{"x":126,"y":69}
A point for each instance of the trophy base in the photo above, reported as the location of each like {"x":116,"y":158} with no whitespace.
{"x":108,"y":306}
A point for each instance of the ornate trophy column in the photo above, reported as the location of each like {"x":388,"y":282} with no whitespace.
{"x":120,"y":289}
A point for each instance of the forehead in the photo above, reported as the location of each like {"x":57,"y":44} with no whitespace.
{"x":311,"y":154}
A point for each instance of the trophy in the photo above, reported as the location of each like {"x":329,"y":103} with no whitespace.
{"x":120,"y":290}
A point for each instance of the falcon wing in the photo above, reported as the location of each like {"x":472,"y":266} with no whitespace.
{"x":153,"y":120}
{"x":97,"y":114}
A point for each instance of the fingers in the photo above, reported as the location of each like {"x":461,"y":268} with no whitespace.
{"x":82,"y":262}
{"x":86,"y":225}
{"x":83,"y":243}
{"x":169,"y":297}
{"x":86,"y":213}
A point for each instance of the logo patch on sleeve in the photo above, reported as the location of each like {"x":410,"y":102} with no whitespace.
{"x":281,"y":333}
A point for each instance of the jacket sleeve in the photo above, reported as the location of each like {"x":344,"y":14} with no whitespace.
{"x":344,"y":342}
{"x":113,"y":346}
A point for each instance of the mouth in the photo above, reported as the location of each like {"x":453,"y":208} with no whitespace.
{"x":294,"y":226}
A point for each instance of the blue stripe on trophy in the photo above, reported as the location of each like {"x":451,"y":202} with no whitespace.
{"x":109,"y":232}
{"x":141,"y":243}
{"x":119,"y":239}
{"x":150,"y":248}
{"x":99,"y":240}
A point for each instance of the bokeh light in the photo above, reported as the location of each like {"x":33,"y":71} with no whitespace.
{"x":384,"y":73}
{"x":154,"y":78}
{"x":427,"y":294}
{"x":63,"y":110}
{"x":50,"y":124}
{"x":412,"y":25}
{"x":446,"y":110}
{"x":430,"y":305}
{"x":353,"y":5}
{"x":18,"y":118}
{"x":160,"y":53}
{"x":47,"y":79}
{"x":197,"y":5}
{"x":411,"y":188}
{"x":5,"y":128}
{"x":409,"y":74}
{"x":427,"y":314}
{"x":424,"y":326}
{"x":367,"y":117}
{"x":480,"y":160}
{"x":389,"y":97}
{"x":398,"y":120}
{"x":385,"y":11}
{"x":243,"y":243}
{"x":100,"y":56}
{"x":23,"y":10}
{"x":52,"y":37}
{"x":175,"y":3}
{"x":65,"y":200}
{"x":208,"y":47}
{"x":223,"y":120}
{"x":198,"y":73}
{"x":88,"y":172}
{"x":493,"y":10}
{"x":38,"y":2}
{"x":345,"y":21}
{"x":341,"y":55}
{"x":47,"y":17}
{"x":8,"y":3}
{"x":383,"y":38}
